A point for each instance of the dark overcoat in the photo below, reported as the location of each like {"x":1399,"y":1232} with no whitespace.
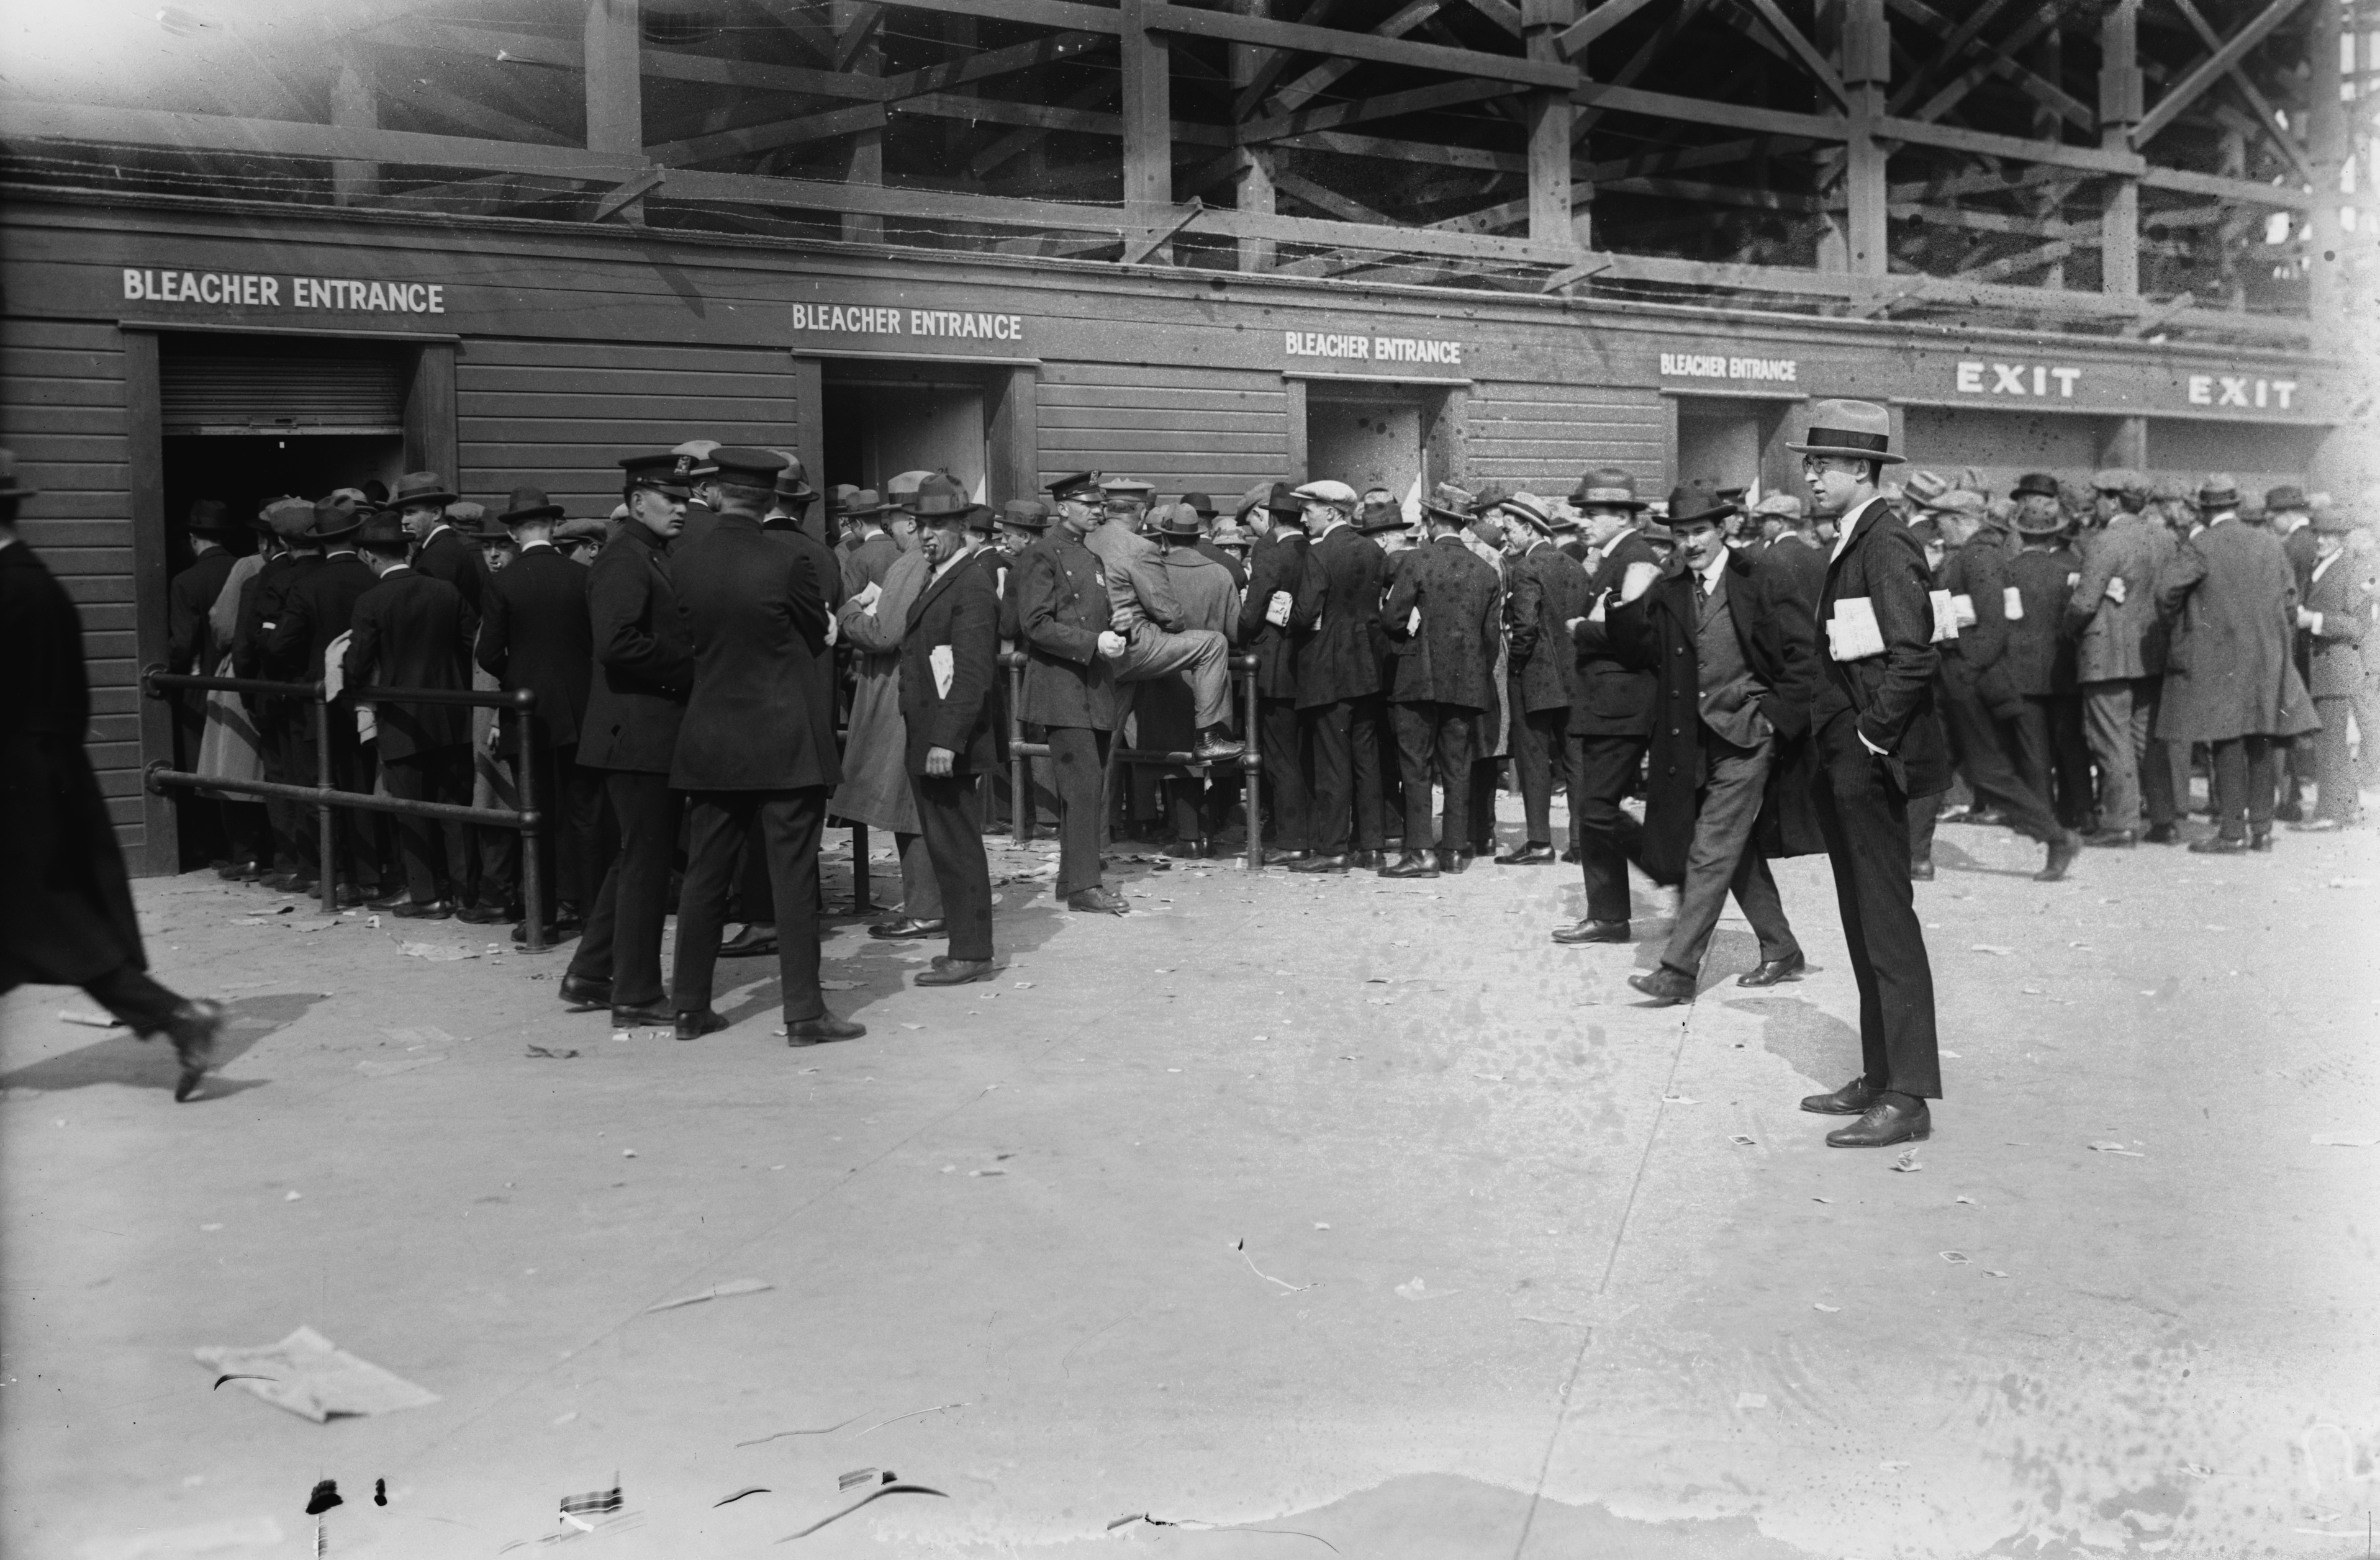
{"x":1608,"y":697}
{"x":1976,"y":571}
{"x":65,"y":915}
{"x":1336,"y":660}
{"x":2120,"y":639}
{"x":316,"y":610}
{"x":1889,"y":696}
{"x":259,"y":608}
{"x":1280,"y":561}
{"x":2232,"y":598}
{"x":189,"y":643}
{"x":1778,"y":633}
{"x":956,"y":612}
{"x":644,"y":662}
{"x":1452,"y":660}
{"x":1062,"y":610}
{"x":754,"y":612}
{"x":412,"y":631}
{"x":1544,"y":588}
{"x":536,"y":632}
{"x":2040,"y":658}
{"x":446,"y":556}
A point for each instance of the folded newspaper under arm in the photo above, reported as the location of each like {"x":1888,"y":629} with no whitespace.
{"x":940,"y":659}
{"x":1963,"y":609}
{"x":1851,"y":632}
{"x":1946,"y":615}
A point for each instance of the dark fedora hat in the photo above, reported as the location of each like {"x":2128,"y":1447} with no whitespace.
{"x":937,"y":496}
{"x":1606,"y":487}
{"x":211,"y":517}
{"x":864,"y":503}
{"x":1180,"y":521}
{"x":1204,"y":505}
{"x":794,"y":482}
{"x":421,"y":488}
{"x":1283,"y":503}
{"x":2035,"y":484}
{"x":382,"y":528}
{"x":1696,"y":501}
{"x":527,"y":505}
{"x":1859,"y":430}
{"x":2288,"y":495}
{"x":2219,"y":491}
{"x":333,"y":520}
{"x":1029,"y":514}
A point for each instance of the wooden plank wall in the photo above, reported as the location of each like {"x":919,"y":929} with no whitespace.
{"x":1541,"y":438}
{"x":1212,"y":430}
{"x":559,"y":415}
{"x":62,"y":411}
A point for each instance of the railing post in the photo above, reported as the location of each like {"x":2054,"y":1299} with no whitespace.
{"x":325,"y":820}
{"x":1252,"y":772}
{"x":861,"y":901}
{"x":1021,"y":806}
{"x":525,"y":802}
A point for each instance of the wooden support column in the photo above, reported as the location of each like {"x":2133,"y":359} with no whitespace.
{"x":2328,"y":149}
{"x":1147,"y":125}
{"x":1866,"y":65}
{"x":144,"y":420}
{"x":1549,"y":117}
{"x":2128,"y":443}
{"x":855,"y":31}
{"x":2119,"y":110}
{"x":615,"y":86}
{"x":1015,"y":437}
{"x":1293,"y":407}
{"x":353,"y":106}
{"x":809,"y":417}
{"x":1255,"y":173}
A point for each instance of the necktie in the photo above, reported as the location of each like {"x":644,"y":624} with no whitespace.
{"x":1702,"y":588}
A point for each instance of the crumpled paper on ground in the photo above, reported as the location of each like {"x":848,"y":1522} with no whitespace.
{"x":313,"y":1377}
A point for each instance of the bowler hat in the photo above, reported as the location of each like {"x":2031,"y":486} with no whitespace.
{"x":1200,"y":504}
{"x":211,"y":517}
{"x":2288,"y":495}
{"x":381,"y":529}
{"x":1858,"y":430}
{"x":658,"y":472}
{"x":527,"y":506}
{"x":332,"y":520}
{"x":10,"y":487}
{"x":2219,"y":491}
{"x":1696,"y":501}
{"x":1180,"y":521}
{"x":937,"y":495}
{"x":2119,"y":479}
{"x":1030,"y":514}
{"x":419,"y":488}
{"x":1608,"y":486}
{"x":1447,"y":502}
{"x":2029,"y":524}
{"x":2035,"y":484}
{"x":1075,"y":482}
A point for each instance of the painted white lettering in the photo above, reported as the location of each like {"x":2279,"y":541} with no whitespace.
{"x":2260,"y":388}
{"x":2283,"y":390}
{"x":1970,"y":379}
{"x":2201,"y":390}
{"x":132,"y":288}
{"x":2235,"y":390}
{"x":273,"y":290}
{"x":2065,"y":378}
{"x":2008,"y":378}
{"x":2040,"y":380}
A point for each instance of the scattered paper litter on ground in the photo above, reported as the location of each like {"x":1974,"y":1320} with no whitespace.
{"x":2109,"y":1146}
{"x":1752,"y":1400}
{"x":312,"y":1377}
{"x":1954,"y":1257}
{"x":2343,"y":1139}
{"x":717,"y":1291}
{"x":1822,"y":1305}
{"x":1907,"y":1163}
{"x":1287,"y":1287}
{"x":555,"y":1052}
{"x":90,"y":1020}
{"x":1991,"y":948}
{"x":436,"y":952}
{"x":838,"y":986}
{"x":1743,"y":1139}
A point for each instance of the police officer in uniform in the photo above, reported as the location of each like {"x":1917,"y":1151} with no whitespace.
{"x":1062,"y":610}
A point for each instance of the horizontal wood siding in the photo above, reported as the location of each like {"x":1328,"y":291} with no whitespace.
{"x":1218,"y":431}
{"x":1542,"y":438}
{"x":559,"y":415}
{"x":62,"y":411}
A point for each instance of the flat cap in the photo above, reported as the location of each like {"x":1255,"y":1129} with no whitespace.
{"x":1327,"y":492}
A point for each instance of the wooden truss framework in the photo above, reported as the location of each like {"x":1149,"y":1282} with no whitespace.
{"x":1327,"y":138}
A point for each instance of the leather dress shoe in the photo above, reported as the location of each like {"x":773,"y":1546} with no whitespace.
{"x":1454,"y":862}
{"x":1665,"y":985}
{"x":2162,"y":834}
{"x":2062,"y":851}
{"x":1570,"y":855}
{"x":1531,"y":854}
{"x":821,"y":1029}
{"x":1368,"y":860}
{"x":561,"y":928}
{"x":1851,"y":1099}
{"x":584,"y":991}
{"x":1770,"y":972}
{"x":2260,"y":841}
{"x":2218,"y":845}
{"x":2317,"y":825}
{"x":348,"y":897}
{"x":692,"y":1025}
{"x":757,"y":939}
{"x":1891,"y":1118}
{"x":1594,"y":931}
{"x":907,"y":930}
{"x":291,"y":883}
{"x":1412,"y":863}
{"x":2114,"y":838}
{"x":481,"y":914}
{"x":432,"y":910}
{"x":2290,"y":811}
{"x":957,"y":972}
{"x":1101,"y":898}
{"x":1190,"y":850}
{"x":1320,"y":864}
{"x":1279,"y":858}
{"x":192,"y":1026}
{"x":649,"y":1016}
{"x":1211,"y":749}
{"x":1921,"y":869}
{"x":388,"y":901}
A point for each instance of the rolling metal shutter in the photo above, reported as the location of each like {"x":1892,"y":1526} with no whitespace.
{"x":282,"y":392}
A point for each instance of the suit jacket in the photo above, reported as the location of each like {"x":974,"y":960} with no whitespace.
{"x":1888,"y":698}
{"x":809,"y":536}
{"x":2121,"y":640}
{"x":1610,"y":697}
{"x":955,"y":613}
{"x":1777,"y":635}
{"x":1544,"y":588}
{"x":252,"y":655}
{"x":1214,"y":554}
{"x":2040,"y":656}
{"x":754,"y":612}
{"x":2298,"y":546}
{"x":1280,"y":561}
{"x":1971,"y":663}
{"x":317,"y":608}
{"x":413,"y":630}
{"x":1338,"y":659}
{"x":866,"y":564}
{"x":190,"y":645}
{"x":644,"y":663}
{"x":2344,"y":595}
{"x":2233,"y":601}
{"x":998,"y":568}
{"x":446,"y":556}
{"x":535,"y":632}
{"x":1062,"y":610}
{"x":1452,"y":658}
{"x":1137,"y":587}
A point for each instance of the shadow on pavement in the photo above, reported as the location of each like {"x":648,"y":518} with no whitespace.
{"x":1815,"y":1043}
{"x":149,"y":1064}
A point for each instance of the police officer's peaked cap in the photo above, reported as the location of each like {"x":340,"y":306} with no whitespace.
{"x":693,"y":459}
{"x":1127,"y":488}
{"x":747,"y":467}
{"x":1075,"y":484}
{"x":2035,"y":484}
{"x":659,"y":473}
{"x":1031,"y":514}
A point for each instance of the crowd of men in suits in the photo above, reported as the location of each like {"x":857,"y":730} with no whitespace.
{"x":1779,"y":677}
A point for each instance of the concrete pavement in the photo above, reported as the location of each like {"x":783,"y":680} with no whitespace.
{"x":1284,"y":1212}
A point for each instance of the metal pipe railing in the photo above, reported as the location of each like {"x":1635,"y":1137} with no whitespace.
{"x":1021,"y":753}
{"x":156,"y":682}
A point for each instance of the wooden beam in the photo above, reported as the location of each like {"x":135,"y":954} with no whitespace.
{"x":1715,"y":194}
{"x":991,"y":63}
{"x":1013,"y":146}
{"x":996,"y":111}
{"x":1703,"y":111}
{"x":1814,"y":64}
{"x":1350,"y":145}
{"x":1672,"y":22}
{"x":1317,"y":81}
{"x":612,"y":56}
{"x":768,"y":138}
{"x":1554,"y":202}
{"x":1165,"y":17}
{"x":2268,"y":121}
{"x":1138,"y":250}
{"x":2018,"y":265}
{"x":354,"y":106}
{"x":1269,"y":63}
{"x":1505,"y":15}
{"x":1329,"y":201}
{"x":1572,"y":39}
{"x":2187,"y":90}
{"x":856,"y":32}
{"x":2245,"y":192}
{"x":1953,"y":48}
{"x":1036,"y":13}
{"x":2031,"y":83}
{"x":477,"y":117}
{"x":1956,"y":137}
{"x":1148,"y":59}
{"x":635,"y":189}
{"x":1992,"y":222}
{"x":1388,"y":105}
{"x":1966,"y":81}
{"x":2119,"y":106}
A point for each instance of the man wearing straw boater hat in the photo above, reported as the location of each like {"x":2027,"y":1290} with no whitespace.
{"x":67,"y":918}
{"x":1877,"y":746}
